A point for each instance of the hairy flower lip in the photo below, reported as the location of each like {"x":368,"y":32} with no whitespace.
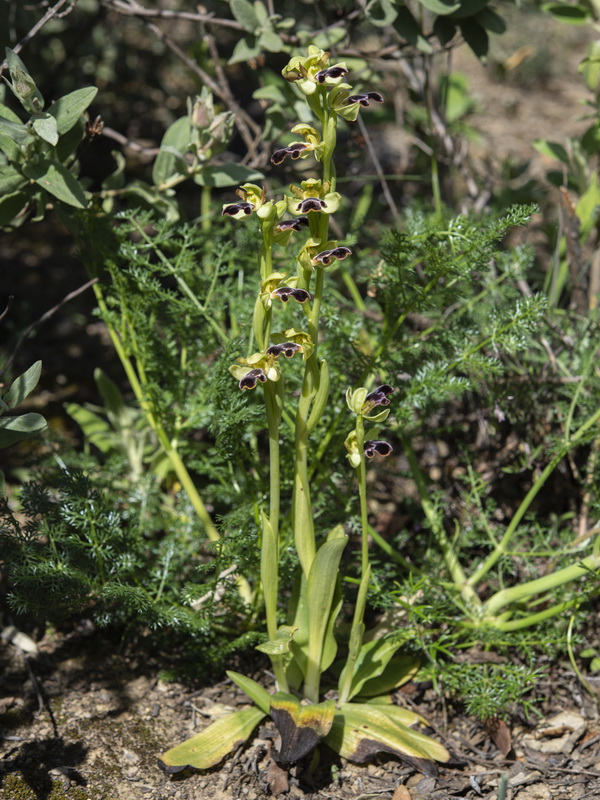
{"x":378,"y":447}
{"x":311,"y":204}
{"x":285,"y":292}
{"x":287,"y":349}
{"x":325,"y":257}
{"x":379,"y":396}
{"x":234,"y":208}
{"x":294,"y":150}
{"x":292,"y":224}
{"x":364,"y":98}
{"x":330,"y":72}
{"x":251,"y":378}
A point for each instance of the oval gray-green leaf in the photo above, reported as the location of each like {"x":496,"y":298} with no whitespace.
{"x":69,"y":108}
{"x":45,"y":126}
{"x":440,"y":6}
{"x":11,"y":180}
{"x":14,"y":429}
{"x":58,"y":181}
{"x":23,"y":385}
{"x":11,"y":205}
{"x":245,"y":14}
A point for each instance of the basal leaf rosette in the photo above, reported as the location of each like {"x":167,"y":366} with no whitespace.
{"x":313,"y":195}
{"x":313,"y":70}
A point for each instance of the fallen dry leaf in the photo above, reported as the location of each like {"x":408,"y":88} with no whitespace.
{"x":401,"y":793}
{"x":500,"y":733}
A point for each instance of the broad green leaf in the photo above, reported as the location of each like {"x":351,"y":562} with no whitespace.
{"x":262,"y":15}
{"x":381,"y":12}
{"x":320,"y":593}
{"x":552,"y":149}
{"x":58,"y":181}
{"x":69,"y":142}
{"x":177,"y":136}
{"x":399,"y":715}
{"x":11,"y":180}
{"x":469,"y":8}
{"x":246,"y":49}
{"x":395,"y":672}
{"x":23,"y":385}
{"x":227,"y":175}
{"x":271,"y":41}
{"x":210,"y":746}
{"x":10,"y":148}
{"x":371,"y":662}
{"x":361,"y":730}
{"x":69,"y":108}
{"x":253,"y":689}
{"x":118,"y":413}
{"x":440,"y":6}
{"x":10,"y":206}
{"x":587,"y":207}
{"x":410,"y":30}
{"x":491,"y":21}
{"x":281,"y":644}
{"x":475,"y":36}
{"x":301,"y":727}
{"x":13,"y":429}
{"x":23,"y":85}
{"x":9,"y":114}
{"x":18,"y":132}
{"x":96,"y":429}
{"x":272,"y":93}
{"x":245,"y":14}
{"x":572,"y":13}
{"x":445,"y":29}
{"x":45,"y":126}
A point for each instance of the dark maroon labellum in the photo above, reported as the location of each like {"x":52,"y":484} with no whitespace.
{"x":293,"y":224}
{"x":285,"y":292}
{"x":251,"y":378}
{"x":311,"y":204}
{"x":332,"y":72}
{"x":326,"y":256}
{"x":364,"y":99}
{"x":279,"y":156}
{"x":286,"y":349}
{"x":377,"y":447}
{"x":234,"y":208}
{"x":378,"y":397}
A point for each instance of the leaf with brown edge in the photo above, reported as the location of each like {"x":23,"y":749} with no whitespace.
{"x":360,"y":731}
{"x":301,"y":727}
{"x":210,"y":746}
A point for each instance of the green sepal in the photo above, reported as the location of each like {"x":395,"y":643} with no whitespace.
{"x":207,"y":748}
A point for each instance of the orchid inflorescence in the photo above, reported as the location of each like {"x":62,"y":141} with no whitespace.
{"x":305,"y":647}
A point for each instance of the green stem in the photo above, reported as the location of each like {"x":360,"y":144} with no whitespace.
{"x":358,"y":626}
{"x":437,"y":528}
{"x":503,"y":544}
{"x":174,"y":457}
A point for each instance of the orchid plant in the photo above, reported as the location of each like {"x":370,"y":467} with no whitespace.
{"x":362,"y":719}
